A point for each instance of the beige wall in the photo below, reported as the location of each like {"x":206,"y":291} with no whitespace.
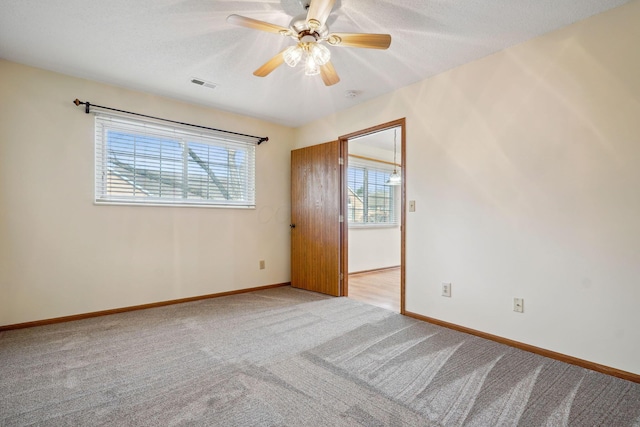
{"x":62,"y":255}
{"x":525,"y":168}
{"x":373,"y":248}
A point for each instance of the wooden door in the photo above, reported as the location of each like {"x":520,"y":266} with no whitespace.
{"x":315,"y":218}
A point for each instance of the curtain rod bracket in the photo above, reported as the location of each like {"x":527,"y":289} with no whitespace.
{"x":87,"y":106}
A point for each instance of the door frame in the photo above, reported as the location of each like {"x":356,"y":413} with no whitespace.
{"x":344,"y":228}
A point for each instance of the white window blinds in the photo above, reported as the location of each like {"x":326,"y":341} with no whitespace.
{"x":371,"y":201}
{"x":145,"y":162}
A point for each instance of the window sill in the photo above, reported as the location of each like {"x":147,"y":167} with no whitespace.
{"x":368,"y":226}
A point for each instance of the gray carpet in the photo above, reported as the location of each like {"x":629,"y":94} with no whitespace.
{"x":285,"y":357}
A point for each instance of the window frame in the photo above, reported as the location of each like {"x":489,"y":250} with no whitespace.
{"x":190,"y":140}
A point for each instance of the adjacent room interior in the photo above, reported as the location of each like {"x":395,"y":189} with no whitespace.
{"x":374,"y":188}
{"x":168,"y":278}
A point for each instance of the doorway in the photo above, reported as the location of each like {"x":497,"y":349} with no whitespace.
{"x":373,"y":193}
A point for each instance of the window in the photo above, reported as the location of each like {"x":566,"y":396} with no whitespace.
{"x":370,"y":200}
{"x":143,"y":162}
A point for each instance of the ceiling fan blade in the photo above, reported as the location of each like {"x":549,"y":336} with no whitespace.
{"x":319,"y":11}
{"x":328,"y":74}
{"x":369,"y":41}
{"x":270,"y":65}
{"x":243,"y":21}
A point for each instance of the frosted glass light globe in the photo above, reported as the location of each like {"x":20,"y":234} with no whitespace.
{"x":292,"y":55}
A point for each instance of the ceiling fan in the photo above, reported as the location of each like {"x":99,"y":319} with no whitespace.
{"x":310,"y":32}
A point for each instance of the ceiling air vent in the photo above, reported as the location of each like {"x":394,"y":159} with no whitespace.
{"x":201,"y":82}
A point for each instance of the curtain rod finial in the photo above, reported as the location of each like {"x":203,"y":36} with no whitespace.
{"x":263,"y":139}
{"x":86,"y":105}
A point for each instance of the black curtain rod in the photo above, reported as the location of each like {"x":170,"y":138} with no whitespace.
{"x":87,"y":106}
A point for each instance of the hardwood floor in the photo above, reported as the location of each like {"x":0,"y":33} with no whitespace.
{"x":380,"y":288}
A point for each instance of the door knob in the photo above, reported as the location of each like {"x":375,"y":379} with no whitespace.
{"x":292,"y":225}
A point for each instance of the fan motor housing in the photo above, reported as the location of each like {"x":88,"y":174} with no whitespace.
{"x":300,"y":26}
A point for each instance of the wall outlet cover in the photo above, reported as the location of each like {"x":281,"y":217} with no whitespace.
{"x":446,"y":290}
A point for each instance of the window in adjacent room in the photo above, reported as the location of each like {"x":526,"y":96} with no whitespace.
{"x":370,"y":198}
{"x":149,"y":163}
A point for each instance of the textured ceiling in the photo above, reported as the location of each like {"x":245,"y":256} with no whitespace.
{"x":157,"y":46}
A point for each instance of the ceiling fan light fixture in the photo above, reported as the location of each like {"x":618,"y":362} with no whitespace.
{"x":293,"y":55}
{"x":310,"y":67}
{"x":319,"y":53}
{"x":310,"y":30}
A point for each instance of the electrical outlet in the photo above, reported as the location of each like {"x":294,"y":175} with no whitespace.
{"x":518,"y":305}
{"x":446,"y":290}
{"x":262,"y":265}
